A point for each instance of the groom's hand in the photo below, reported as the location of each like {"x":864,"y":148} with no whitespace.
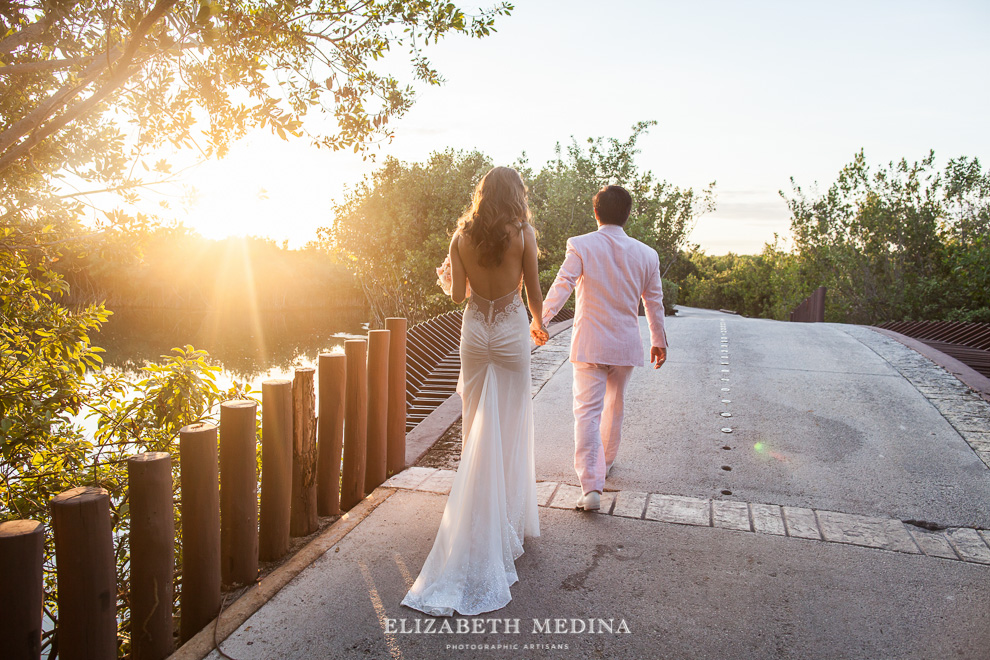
{"x":657,"y":356}
{"x":538,"y":333}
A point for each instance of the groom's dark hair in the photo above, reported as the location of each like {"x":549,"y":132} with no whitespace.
{"x":612,"y":205}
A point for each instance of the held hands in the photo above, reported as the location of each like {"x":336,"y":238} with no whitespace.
{"x":658,"y":356}
{"x":538,"y":332}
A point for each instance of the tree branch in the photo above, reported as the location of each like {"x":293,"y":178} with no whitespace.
{"x":47,"y":65}
{"x":334,"y":40}
{"x":21,"y":37}
{"x":124,"y":71}
{"x":65,"y":94}
{"x":128,"y":185}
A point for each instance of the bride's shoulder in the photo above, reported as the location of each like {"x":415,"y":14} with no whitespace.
{"x":514,"y":229}
{"x":459,"y":240}
{"x":526,"y":228}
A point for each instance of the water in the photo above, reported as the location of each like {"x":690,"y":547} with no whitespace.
{"x":249,"y":349}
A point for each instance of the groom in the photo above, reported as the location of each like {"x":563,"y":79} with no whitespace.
{"x":611,"y":273}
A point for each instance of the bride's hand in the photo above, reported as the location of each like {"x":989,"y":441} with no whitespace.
{"x":538,"y":332}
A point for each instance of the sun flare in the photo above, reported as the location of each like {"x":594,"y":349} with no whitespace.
{"x":268,"y":188}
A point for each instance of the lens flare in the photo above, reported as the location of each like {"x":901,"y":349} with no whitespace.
{"x":763,"y":450}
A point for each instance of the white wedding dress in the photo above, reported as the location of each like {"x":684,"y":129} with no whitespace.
{"x":492,"y":503}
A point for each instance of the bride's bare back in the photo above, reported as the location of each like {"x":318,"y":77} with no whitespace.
{"x":519,"y":262}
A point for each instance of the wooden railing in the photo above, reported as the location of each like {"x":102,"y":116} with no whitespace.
{"x":358,"y":441}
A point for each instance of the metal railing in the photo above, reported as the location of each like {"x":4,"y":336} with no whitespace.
{"x":967,"y":342}
{"x":811,"y":309}
{"x":433,"y":363}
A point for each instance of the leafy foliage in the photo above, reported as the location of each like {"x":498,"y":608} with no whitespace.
{"x":888,"y":243}
{"x":126,"y":419}
{"x":671,"y":292}
{"x":234,"y":65}
{"x":44,"y":353}
{"x":663,"y":215}
{"x":903,"y":242}
{"x":395,"y":227}
{"x":765,"y":285}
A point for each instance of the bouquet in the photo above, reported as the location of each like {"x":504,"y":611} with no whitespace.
{"x":445,"y":278}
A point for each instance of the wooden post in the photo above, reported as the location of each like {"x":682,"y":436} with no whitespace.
{"x":396,"y":431}
{"x":149,"y":482}
{"x":276,"y":468}
{"x":200,"y":485}
{"x":378,"y":343}
{"x":333,"y":374}
{"x":238,"y":492}
{"x":304,"y":518}
{"x":355,"y":423}
{"x":86,"y":573}
{"x":21,"y":558}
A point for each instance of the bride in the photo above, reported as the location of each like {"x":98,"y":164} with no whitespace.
{"x":492,"y":502}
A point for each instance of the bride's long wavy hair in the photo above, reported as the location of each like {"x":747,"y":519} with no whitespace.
{"x":499,"y":200}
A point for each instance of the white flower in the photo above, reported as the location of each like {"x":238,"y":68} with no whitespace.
{"x":445,"y":277}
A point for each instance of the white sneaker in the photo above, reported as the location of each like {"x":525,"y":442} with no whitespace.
{"x":590,"y":501}
{"x":608,"y":469}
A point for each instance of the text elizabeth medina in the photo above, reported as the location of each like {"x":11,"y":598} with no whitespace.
{"x":482,"y":626}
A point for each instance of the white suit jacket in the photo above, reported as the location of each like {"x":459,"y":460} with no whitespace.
{"x":610,"y":272}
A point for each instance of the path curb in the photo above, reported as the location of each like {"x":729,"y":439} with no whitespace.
{"x":967,"y":544}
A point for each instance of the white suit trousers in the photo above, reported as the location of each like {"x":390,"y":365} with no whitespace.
{"x":598,"y":407}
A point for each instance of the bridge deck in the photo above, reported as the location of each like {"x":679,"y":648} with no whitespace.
{"x":844,"y":515}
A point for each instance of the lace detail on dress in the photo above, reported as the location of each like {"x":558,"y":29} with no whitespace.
{"x":493,"y":312}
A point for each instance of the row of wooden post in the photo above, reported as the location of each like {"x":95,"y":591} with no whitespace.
{"x":312,"y":465}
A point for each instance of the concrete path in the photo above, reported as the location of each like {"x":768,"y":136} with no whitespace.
{"x":782,"y":491}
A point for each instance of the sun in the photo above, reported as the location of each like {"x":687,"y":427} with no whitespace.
{"x":267,"y":187}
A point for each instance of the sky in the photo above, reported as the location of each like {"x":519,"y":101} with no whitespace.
{"x":744,"y":94}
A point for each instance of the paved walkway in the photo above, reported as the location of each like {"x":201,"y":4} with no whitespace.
{"x":782,"y":491}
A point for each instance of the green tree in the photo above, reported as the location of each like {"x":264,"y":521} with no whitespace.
{"x":394,"y":229}
{"x":905,"y":241}
{"x":663,"y":215}
{"x":767,"y":285}
{"x":966,"y":294}
{"x":73,"y":69}
{"x":720,"y":282}
{"x":899,"y":242}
